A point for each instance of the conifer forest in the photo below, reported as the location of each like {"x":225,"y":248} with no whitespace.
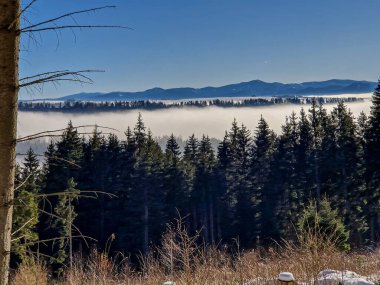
{"x":189,"y":142}
{"x":119,"y":195}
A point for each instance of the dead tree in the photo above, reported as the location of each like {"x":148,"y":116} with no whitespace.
{"x":9,"y":57}
{"x":10,"y":32}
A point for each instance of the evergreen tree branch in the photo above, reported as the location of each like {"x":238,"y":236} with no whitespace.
{"x":23,"y":226}
{"x":51,"y":215}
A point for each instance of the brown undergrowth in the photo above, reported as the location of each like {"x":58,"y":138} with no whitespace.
{"x":182,"y":259}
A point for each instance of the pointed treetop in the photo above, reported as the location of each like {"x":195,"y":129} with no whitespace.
{"x":172,"y":147}
{"x":31,"y":162}
{"x":375,"y":109}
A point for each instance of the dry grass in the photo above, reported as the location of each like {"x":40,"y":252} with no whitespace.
{"x":182,"y":260}
{"x":31,"y":273}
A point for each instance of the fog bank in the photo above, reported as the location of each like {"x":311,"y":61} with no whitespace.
{"x":183,"y":122}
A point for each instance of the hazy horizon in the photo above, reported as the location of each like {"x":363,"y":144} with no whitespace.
{"x":204,"y":43}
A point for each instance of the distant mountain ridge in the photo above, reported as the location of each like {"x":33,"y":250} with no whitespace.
{"x":245,"y":89}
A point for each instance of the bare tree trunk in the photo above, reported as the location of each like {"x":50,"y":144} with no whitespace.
{"x":9,"y":52}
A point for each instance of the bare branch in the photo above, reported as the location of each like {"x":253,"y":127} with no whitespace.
{"x":25,"y":154}
{"x":61,"y":130}
{"x":22,"y":11}
{"x":74,"y":27}
{"x":55,"y":81}
{"x":22,"y":184}
{"x":28,"y":6}
{"x":65,"y":16}
{"x":51,"y":136}
{"x":20,"y":228}
{"x":54,"y":76}
{"x":43,"y":74}
{"x":51,"y":215}
{"x":110,"y":195}
{"x":59,"y":238}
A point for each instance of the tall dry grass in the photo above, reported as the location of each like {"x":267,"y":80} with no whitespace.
{"x":31,"y":272}
{"x":180,"y":258}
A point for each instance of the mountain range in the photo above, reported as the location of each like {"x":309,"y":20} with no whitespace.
{"x":244,"y":89}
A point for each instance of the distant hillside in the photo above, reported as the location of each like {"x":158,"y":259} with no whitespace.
{"x":244,"y":89}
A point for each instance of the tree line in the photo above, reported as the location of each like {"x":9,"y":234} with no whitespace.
{"x":88,"y":106}
{"x":254,"y":188}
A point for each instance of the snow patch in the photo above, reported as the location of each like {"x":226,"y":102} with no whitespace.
{"x":334,"y":277}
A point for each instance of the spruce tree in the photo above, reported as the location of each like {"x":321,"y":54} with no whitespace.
{"x":260,"y":167}
{"x":26,"y":212}
{"x":324,"y":223}
{"x":64,"y":216}
{"x":372,"y":154}
{"x":93,"y":178}
{"x":238,"y":185}
{"x":190,"y":160}
{"x":203,"y":196}
{"x":174,"y":182}
{"x":153,"y":196}
{"x":288,"y":195}
{"x":128,"y":210}
{"x":222,"y":204}
{"x":305,"y":163}
{"x":349,"y":186}
{"x":139,"y":133}
{"x":63,"y":162}
{"x":316,"y":113}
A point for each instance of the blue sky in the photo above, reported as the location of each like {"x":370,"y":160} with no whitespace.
{"x":197,"y":43}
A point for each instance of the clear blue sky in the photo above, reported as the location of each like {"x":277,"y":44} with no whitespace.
{"x":197,"y":43}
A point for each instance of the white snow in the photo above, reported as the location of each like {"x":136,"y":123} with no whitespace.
{"x":334,"y":277}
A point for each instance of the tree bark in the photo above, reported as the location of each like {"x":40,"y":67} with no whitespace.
{"x":9,"y":57}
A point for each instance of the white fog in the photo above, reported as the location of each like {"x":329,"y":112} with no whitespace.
{"x":183,"y":122}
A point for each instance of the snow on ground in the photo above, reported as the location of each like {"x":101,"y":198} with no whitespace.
{"x":327,"y":277}
{"x":332,"y":277}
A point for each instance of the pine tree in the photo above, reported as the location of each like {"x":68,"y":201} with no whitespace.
{"x":372,"y":154}
{"x":124,"y":211}
{"x":63,"y":162}
{"x":174,"y":181}
{"x":328,"y":150}
{"x":348,"y":175}
{"x":260,"y":167}
{"x":93,"y":178}
{"x":223,"y":216}
{"x":315,"y":117}
{"x":324,"y":223}
{"x":288,"y":196}
{"x":26,"y":212}
{"x":153,"y":195}
{"x":305,"y":163}
{"x":190,"y":160}
{"x":238,"y":185}
{"x":191,"y":150}
{"x":139,"y":133}
{"x":203,"y":196}
{"x":64,"y":216}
